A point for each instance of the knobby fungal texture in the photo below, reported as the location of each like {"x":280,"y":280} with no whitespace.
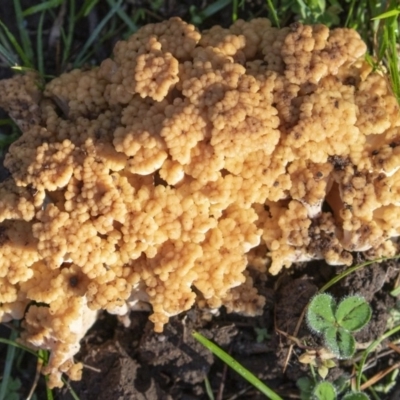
{"x":165,"y":173}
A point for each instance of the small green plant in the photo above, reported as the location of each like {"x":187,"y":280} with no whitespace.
{"x":262,"y":335}
{"x":12,"y":389}
{"x":314,"y":389}
{"x":322,"y":359}
{"x":324,"y":391}
{"x":338,"y":322}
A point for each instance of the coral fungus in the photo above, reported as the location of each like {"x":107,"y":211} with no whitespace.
{"x":157,"y":175}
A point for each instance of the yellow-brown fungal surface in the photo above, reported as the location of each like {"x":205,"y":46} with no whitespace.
{"x":171,"y":165}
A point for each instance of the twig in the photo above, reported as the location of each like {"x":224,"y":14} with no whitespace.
{"x":377,"y":377}
{"x":222,"y":384}
{"x":238,"y":395}
{"x":98,"y":370}
{"x":293,"y":337}
{"x":39,"y":366}
{"x":394,"y":347}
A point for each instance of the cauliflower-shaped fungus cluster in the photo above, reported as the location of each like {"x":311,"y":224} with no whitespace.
{"x":161,"y":175}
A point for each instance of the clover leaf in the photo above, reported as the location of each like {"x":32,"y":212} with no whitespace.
{"x":337,"y":323}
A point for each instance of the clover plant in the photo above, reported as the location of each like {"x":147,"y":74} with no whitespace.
{"x":338,"y":322}
{"x":311,"y":389}
{"x":324,"y":391}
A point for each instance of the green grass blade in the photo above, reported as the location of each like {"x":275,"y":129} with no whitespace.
{"x":6,"y":121}
{"x":71,"y":391}
{"x":125,"y":18}
{"x":6,"y":51}
{"x":8,"y":366}
{"x":392,"y":56}
{"x":49,"y":393}
{"x":349,"y":271}
{"x":95,"y":34}
{"x":23,"y":32}
{"x":234,"y":10}
{"x":209,"y":391}
{"x":69,"y":36}
{"x":4,"y":41}
{"x":370,"y":349}
{"x":199,"y":15}
{"x":86,"y":8}
{"x":383,"y":43}
{"x":39,"y":45}
{"x":44,"y":355}
{"x":231,"y":362}
{"x":215,"y":7}
{"x":6,"y":140}
{"x":371,"y":389}
{"x":303,"y":8}
{"x":274,"y":14}
{"x":21,"y":53}
{"x":20,"y":346}
{"x":9,"y":58}
{"x":350,"y":16}
{"x":388,"y":14}
{"x":46,"y":5}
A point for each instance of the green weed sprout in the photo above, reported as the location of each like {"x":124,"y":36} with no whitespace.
{"x":337,"y":323}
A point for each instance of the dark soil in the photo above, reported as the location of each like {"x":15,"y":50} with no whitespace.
{"x":127,"y":363}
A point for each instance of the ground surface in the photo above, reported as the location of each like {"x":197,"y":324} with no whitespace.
{"x":135,"y":363}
